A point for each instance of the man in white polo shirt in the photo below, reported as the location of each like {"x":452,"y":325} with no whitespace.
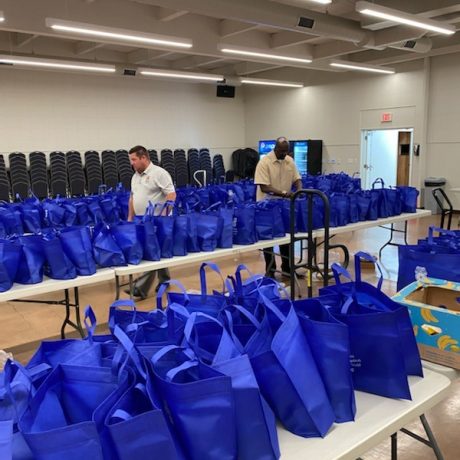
{"x":153,"y":184}
{"x":275,"y":175}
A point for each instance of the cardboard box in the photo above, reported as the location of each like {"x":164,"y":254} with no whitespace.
{"x":434,"y":307}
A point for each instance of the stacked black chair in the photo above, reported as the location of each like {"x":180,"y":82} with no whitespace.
{"x":125,"y":171}
{"x":109,"y":168}
{"x":93,"y":172}
{"x":58,"y":174}
{"x":4,"y":182}
{"x":75,"y":173}
{"x":218,"y":168}
{"x":154,"y":157}
{"x":181,"y":168}
{"x":193,"y":160}
{"x":167,"y":162}
{"x":20,"y":181}
{"x":38,"y":175}
{"x":205,"y":164}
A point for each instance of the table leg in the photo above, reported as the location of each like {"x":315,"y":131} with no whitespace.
{"x":117,"y":287}
{"x":67,"y":313}
{"x":433,"y":442}
{"x":77,"y":312}
{"x":394,"y":446}
{"x":131,"y":287}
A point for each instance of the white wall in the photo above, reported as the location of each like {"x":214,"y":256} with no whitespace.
{"x":335,"y":108}
{"x":443,"y":153}
{"x":49,"y":111}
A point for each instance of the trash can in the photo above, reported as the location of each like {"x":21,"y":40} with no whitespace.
{"x":428,"y":200}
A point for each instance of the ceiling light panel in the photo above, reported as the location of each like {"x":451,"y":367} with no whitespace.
{"x":258,"y":54}
{"x":175,"y":74}
{"x":401,"y":17}
{"x":2,"y":17}
{"x":262,"y":82}
{"x":118,"y":35}
{"x":361,"y":67}
{"x":23,"y":61}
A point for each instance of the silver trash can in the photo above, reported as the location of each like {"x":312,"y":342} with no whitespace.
{"x":428,"y":200}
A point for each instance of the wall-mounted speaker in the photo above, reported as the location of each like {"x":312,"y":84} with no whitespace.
{"x":225,"y":91}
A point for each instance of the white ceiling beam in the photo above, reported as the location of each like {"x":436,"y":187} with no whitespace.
{"x":285,"y":39}
{"x":82,"y":48}
{"x":229,"y":28}
{"x":191,"y":62}
{"x":167,"y":14}
{"x":249,"y":68}
{"x":21,"y":39}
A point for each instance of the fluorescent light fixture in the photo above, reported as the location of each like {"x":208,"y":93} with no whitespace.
{"x":322,"y":2}
{"x":389,"y":14}
{"x":24,"y":61}
{"x":363,"y":67}
{"x":180,"y":75}
{"x":257,"y":54}
{"x":259,"y":81}
{"x":122,"y":35}
{"x":2,"y":18}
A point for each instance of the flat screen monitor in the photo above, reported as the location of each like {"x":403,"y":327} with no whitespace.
{"x":266,"y":147}
{"x":300,"y":153}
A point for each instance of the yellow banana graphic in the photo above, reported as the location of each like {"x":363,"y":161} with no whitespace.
{"x":455,"y":348}
{"x":445,"y":340}
{"x":428,"y":316}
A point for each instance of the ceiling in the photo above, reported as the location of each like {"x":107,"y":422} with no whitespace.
{"x":265,"y":26}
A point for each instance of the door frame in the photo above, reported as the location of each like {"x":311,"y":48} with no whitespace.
{"x":364,"y":150}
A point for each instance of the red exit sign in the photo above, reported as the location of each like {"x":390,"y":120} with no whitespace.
{"x":386,"y":117}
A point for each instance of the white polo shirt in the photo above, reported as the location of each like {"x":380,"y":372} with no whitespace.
{"x":152,"y":185}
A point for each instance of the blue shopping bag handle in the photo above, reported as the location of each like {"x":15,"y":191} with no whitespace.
{"x":172,"y":373}
{"x":116,"y":306}
{"x":91,"y":326}
{"x":163,"y":288}
{"x":131,"y":351}
{"x":441,"y":231}
{"x":214,"y":267}
{"x":167,"y":349}
{"x":365,"y":256}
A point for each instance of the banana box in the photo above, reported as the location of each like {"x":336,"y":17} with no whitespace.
{"x":434,"y":308}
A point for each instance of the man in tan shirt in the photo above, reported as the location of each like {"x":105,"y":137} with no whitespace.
{"x":275,"y":175}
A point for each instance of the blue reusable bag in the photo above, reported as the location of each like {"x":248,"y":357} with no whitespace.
{"x":372,"y":297}
{"x":32,"y":260}
{"x":54,"y":214}
{"x":408,"y":197}
{"x":136,"y":424}
{"x":76,"y":242}
{"x":94,"y":209}
{"x":83,"y":217}
{"x":209,"y":229}
{"x":255,"y":422}
{"x":58,"y":264}
{"x":200,"y":402}
{"x":62,"y":418}
{"x":244,"y":224}
{"x":330,"y":345}
{"x":225,"y":239}
{"x":11,"y":220}
{"x":385,"y":198}
{"x":354,"y":209}
{"x":106,"y":251}
{"x":31,"y":215}
{"x":126,"y":237}
{"x":287,"y":373}
{"x":165,"y":228}
{"x":181,"y":232}
{"x":363,"y":201}
{"x":109,"y":207}
{"x":10,"y":257}
{"x":147,"y":235}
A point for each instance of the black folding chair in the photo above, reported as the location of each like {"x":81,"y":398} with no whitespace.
{"x":445,"y":205}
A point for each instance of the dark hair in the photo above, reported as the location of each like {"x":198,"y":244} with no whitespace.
{"x":281,"y":142}
{"x":140,"y":151}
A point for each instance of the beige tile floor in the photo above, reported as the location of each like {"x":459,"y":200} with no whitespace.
{"x":22,"y":325}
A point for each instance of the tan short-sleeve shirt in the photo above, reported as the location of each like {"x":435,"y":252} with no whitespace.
{"x":280,"y":174}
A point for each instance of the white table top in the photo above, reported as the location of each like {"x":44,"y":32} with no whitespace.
{"x":377,"y":418}
{"x":238,"y":249}
{"x":21,"y":291}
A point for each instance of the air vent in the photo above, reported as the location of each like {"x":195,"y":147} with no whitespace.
{"x":306,"y":22}
{"x":410,"y":44}
{"x":129,"y":72}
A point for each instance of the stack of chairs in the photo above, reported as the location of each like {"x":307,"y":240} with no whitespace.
{"x":38,"y":174}
{"x":4,"y":182}
{"x":125,"y":171}
{"x":167,"y":162}
{"x":154,"y":157}
{"x":109,"y":168}
{"x":180,"y":163}
{"x":205,"y":165}
{"x":193,"y":160}
{"x":218,"y":168}
{"x":75,"y":173}
{"x":93,"y":172}
{"x":20,"y":181}
{"x":58,"y":174}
